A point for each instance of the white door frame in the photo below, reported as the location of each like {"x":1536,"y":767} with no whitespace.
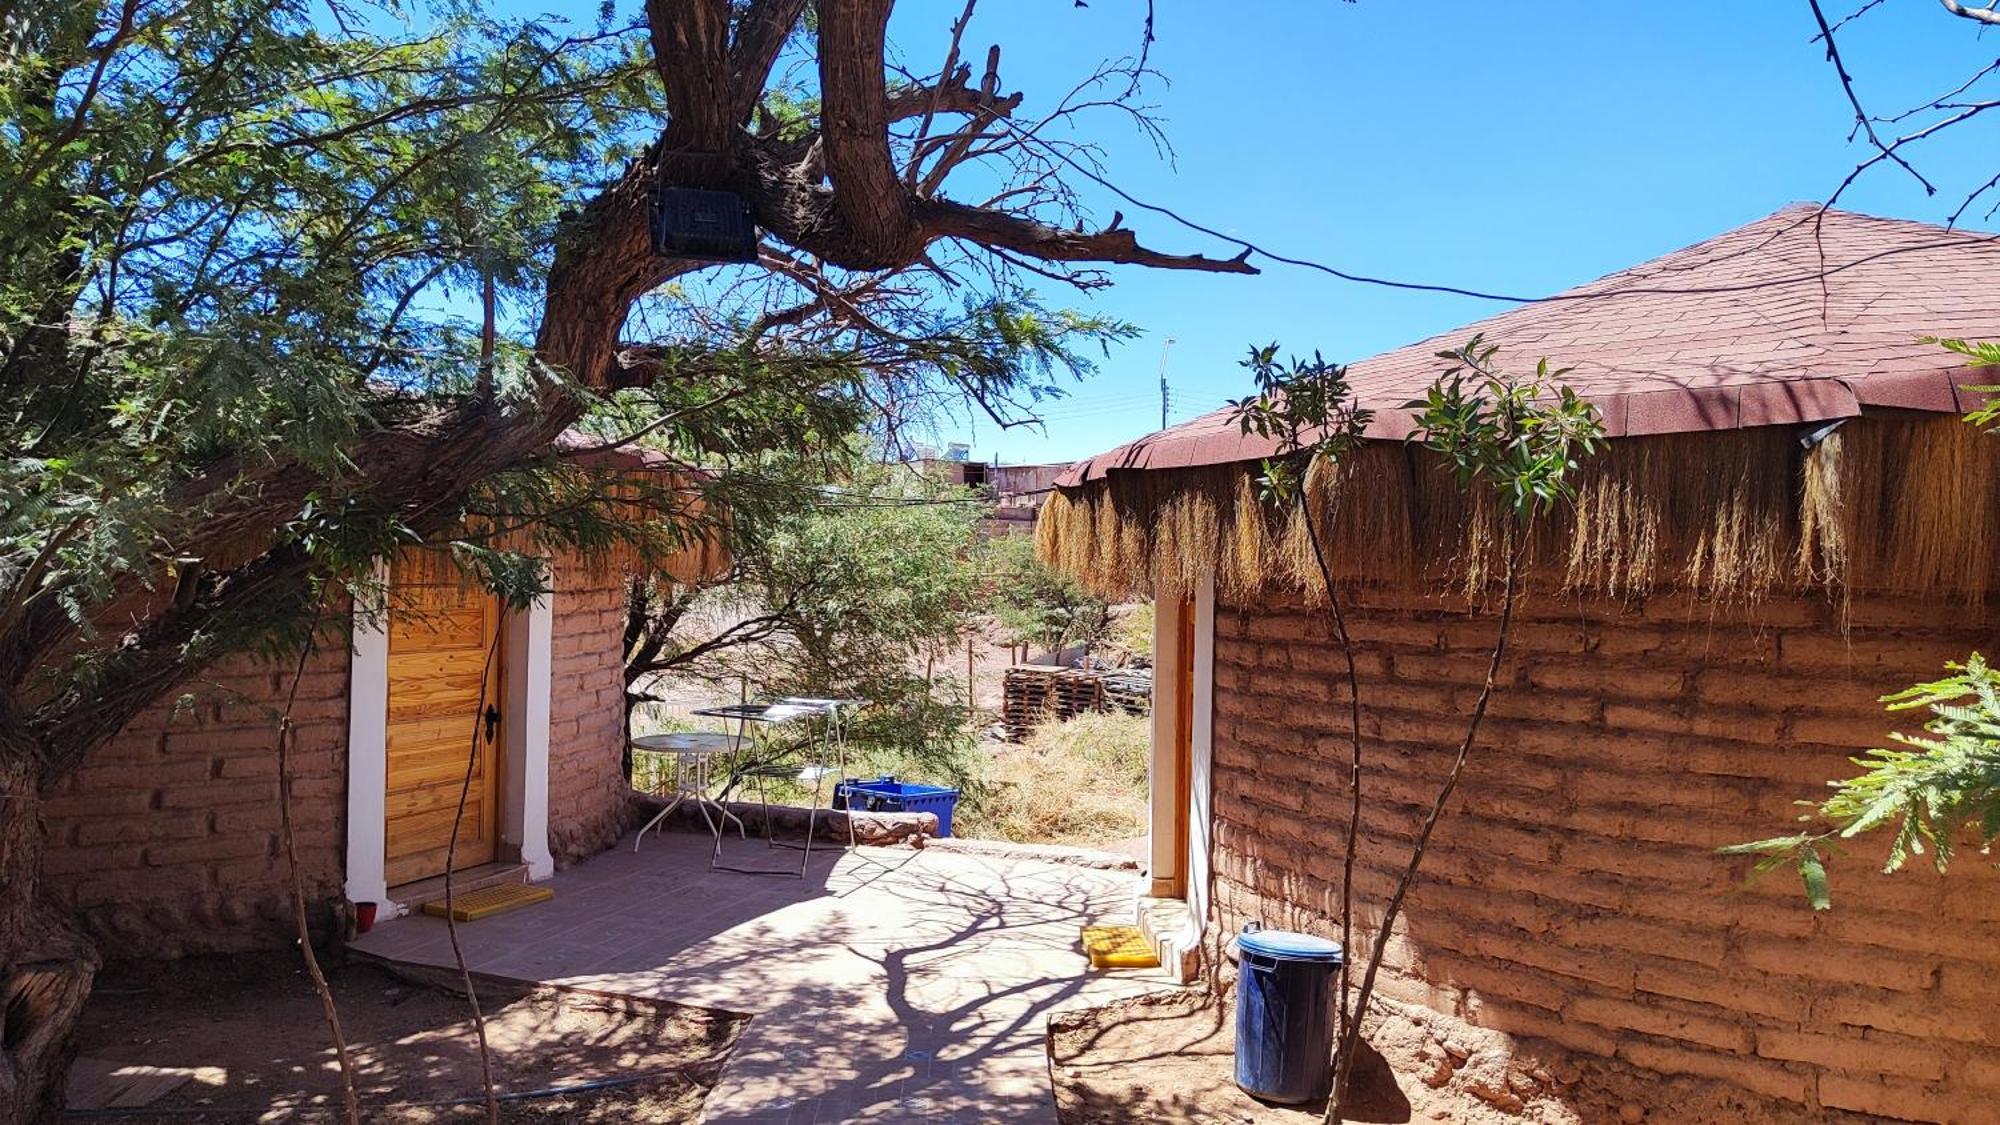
{"x":1169,"y":853}
{"x":524,"y":814}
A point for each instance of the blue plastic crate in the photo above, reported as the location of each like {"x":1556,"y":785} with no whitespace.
{"x":886,"y":794}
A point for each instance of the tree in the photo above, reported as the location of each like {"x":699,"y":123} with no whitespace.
{"x":1514,"y":442}
{"x":1037,"y":604}
{"x":234,"y":370}
{"x":848,"y":593}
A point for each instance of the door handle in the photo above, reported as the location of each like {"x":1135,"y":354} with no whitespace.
{"x":492,"y":717}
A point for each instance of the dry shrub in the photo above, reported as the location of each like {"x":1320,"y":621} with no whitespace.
{"x":1076,"y":782}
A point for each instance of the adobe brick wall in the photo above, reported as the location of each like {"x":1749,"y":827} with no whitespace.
{"x":166,"y":842}
{"x":1572,"y":893}
{"x":590,"y":802}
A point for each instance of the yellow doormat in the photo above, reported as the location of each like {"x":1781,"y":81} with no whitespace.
{"x":474,"y":905}
{"x":1118,"y":947}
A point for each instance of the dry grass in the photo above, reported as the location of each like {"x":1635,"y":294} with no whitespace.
{"x":1896,"y":504}
{"x":1077,"y":782}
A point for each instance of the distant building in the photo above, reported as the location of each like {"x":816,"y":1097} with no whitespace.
{"x":1017,"y":490}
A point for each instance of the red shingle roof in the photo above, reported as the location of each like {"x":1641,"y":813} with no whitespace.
{"x":1737,"y":331}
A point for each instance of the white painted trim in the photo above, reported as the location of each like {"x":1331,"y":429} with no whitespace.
{"x":368,"y":750}
{"x":524,"y":823}
{"x":528,"y":645}
{"x":1162,"y":796}
{"x":1201,"y":820}
{"x":1189,"y":916}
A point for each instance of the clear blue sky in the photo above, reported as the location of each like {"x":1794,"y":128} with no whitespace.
{"x":1519,"y":147}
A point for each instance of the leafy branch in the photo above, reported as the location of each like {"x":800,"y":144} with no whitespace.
{"x":1309,"y":408}
{"x":1522,"y":439}
{"x":1940,"y":784}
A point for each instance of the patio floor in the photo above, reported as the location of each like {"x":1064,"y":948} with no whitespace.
{"x":888,"y":985}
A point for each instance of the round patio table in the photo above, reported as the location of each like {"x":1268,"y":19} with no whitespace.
{"x":693,"y":754}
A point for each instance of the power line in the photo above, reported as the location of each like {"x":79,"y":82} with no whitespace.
{"x":1249,"y":248}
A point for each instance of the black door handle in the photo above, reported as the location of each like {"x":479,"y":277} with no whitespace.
{"x":492,"y":721}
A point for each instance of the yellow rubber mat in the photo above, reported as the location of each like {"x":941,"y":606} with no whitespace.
{"x":474,"y":905}
{"x":1118,"y":947}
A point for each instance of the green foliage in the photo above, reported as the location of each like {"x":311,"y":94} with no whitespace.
{"x":1519,"y":437}
{"x":1307,"y":407}
{"x":229,"y":241}
{"x":238,"y":239}
{"x":1980,"y":353}
{"x":1037,"y":605}
{"x":1928,"y":791}
{"x":850,"y":580}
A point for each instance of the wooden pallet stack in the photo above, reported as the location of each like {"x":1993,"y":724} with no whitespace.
{"x":1035,"y":693}
{"x":1026,"y":697}
{"x":1078,"y":692}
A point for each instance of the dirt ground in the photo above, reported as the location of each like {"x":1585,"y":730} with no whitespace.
{"x":1169,"y":1059}
{"x":250,"y":1032}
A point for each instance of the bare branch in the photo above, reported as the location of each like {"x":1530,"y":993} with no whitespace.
{"x":1861,"y":118}
{"x":1006,"y":230}
{"x":1986,"y":15}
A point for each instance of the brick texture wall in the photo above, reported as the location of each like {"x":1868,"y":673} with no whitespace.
{"x":1572,"y":893}
{"x":590,"y":802}
{"x":166,"y":842}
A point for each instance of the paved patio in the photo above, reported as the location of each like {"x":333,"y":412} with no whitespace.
{"x":888,"y":985}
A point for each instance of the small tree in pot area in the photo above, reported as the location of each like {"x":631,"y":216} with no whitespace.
{"x":1515,"y":442}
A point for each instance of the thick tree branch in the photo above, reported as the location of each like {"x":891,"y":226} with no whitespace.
{"x":760,"y":34}
{"x":868,"y":197}
{"x":942,"y":218}
{"x":1985,"y":15}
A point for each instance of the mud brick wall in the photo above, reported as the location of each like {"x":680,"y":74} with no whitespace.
{"x":590,"y":802}
{"x":1572,"y":893}
{"x":166,"y":842}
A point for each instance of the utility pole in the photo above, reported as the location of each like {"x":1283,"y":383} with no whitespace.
{"x":1164,"y":396}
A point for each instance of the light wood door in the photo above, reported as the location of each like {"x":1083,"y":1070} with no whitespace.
{"x":444,"y":708}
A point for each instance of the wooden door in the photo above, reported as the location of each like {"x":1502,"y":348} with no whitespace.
{"x":444,"y":693}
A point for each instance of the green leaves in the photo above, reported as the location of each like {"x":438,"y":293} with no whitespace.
{"x":1521,"y":437}
{"x":1037,"y":604}
{"x":1800,"y":851}
{"x":1944,"y":786}
{"x":233,"y":237}
{"x":1978,"y":353}
{"x":1308,"y":409}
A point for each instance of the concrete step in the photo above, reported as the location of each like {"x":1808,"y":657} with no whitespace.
{"x":412,"y":896}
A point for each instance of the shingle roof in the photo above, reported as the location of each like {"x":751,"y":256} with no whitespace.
{"x":1746,"y":329}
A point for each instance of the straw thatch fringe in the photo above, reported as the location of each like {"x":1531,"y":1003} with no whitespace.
{"x":637,"y":524}
{"x":1908,"y":505}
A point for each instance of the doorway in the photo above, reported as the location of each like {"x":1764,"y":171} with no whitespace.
{"x":446,"y":674}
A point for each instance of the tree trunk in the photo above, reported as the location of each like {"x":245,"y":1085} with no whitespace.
{"x":46,"y":964}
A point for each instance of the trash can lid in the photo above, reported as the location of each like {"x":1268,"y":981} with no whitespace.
{"x":1288,"y":946}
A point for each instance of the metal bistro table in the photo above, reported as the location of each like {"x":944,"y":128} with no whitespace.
{"x":693,"y":754}
{"x":831,"y":741}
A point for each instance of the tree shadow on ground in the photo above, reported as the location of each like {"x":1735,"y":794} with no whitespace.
{"x":249,"y":1035}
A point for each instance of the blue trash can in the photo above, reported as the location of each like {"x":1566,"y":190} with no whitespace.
{"x":1284,"y":1017}
{"x":886,"y":794}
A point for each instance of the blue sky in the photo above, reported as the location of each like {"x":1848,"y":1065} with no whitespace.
{"x":1516,"y":147}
